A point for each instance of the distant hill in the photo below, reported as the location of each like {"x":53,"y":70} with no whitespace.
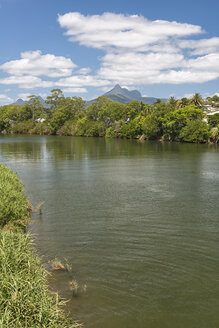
{"x":19,"y":102}
{"x":124,"y":96}
{"x":23,"y":102}
{"x":119,"y":94}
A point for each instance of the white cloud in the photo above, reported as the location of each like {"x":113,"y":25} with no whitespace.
{"x":4,"y":96}
{"x":74,"y":90}
{"x":43,"y":95}
{"x":5,"y":99}
{"x":121,"y":31}
{"x":201,"y":47}
{"x":82,"y":81}
{"x":24,"y":96}
{"x":184,"y":76}
{"x":27,"y":82}
{"x":187,"y":95}
{"x":84,"y":70}
{"x":105,"y":89}
{"x":136,"y":51}
{"x":137,"y":68}
{"x":139,"y":51}
{"x":35,"y":64}
{"x":206,"y":64}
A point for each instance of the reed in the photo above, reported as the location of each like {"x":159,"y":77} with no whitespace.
{"x":74,"y":286}
{"x":40,"y":207}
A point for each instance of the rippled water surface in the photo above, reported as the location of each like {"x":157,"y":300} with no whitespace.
{"x":138,"y":222}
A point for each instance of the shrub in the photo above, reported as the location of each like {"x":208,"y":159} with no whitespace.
{"x":195,"y":131}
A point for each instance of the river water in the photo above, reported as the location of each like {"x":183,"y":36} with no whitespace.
{"x":137,"y":221}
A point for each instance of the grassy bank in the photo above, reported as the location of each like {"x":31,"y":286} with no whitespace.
{"x":25,"y":300}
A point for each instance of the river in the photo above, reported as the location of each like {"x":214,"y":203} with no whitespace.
{"x":137,"y":221}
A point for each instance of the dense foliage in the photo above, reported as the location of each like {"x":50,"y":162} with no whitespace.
{"x":25,"y":301}
{"x":176,"y":120}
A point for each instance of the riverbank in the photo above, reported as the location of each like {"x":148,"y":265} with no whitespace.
{"x":25,"y":300}
{"x":110,"y":119}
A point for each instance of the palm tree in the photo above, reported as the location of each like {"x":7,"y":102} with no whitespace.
{"x":197,"y":100}
{"x":183,"y":102}
{"x":172,"y":101}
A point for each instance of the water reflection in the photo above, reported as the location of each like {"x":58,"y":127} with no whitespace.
{"x":138,"y":222}
{"x":70,"y":148}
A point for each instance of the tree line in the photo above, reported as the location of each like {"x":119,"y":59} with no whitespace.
{"x":180,"y":120}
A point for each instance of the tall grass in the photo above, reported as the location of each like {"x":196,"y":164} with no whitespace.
{"x":14,"y":206}
{"x":25,"y":300}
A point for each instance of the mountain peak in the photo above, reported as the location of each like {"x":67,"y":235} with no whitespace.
{"x":117,"y":87}
{"x":124,"y":93}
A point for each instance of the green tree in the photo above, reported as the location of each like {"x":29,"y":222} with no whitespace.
{"x":176,"y":120}
{"x":55,"y":99}
{"x":61,"y":115}
{"x":215,"y":134}
{"x":213,"y":120}
{"x":172,"y":101}
{"x":151,"y":127}
{"x":96,"y":107}
{"x":215,"y":98}
{"x":195,"y":131}
{"x":133,"y":108}
{"x":197,"y":100}
{"x":183,"y":102}
{"x":35,"y":106}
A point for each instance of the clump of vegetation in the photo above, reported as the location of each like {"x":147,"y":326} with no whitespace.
{"x":14,"y":206}
{"x":25,"y":300}
{"x":84,"y":288}
{"x":74,"y":286}
{"x":57,"y":265}
{"x":40,"y":207}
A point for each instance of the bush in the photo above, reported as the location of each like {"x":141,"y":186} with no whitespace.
{"x":21,"y":127}
{"x":195,"y":131}
{"x":110,"y":132}
{"x":213,"y":120}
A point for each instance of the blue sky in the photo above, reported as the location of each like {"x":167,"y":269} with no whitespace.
{"x":161,"y":48}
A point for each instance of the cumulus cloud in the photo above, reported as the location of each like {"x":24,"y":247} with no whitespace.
{"x":140,"y":51}
{"x":201,"y":47}
{"x":5,"y":99}
{"x":74,"y":90}
{"x":121,"y":31}
{"x":82,"y":80}
{"x":136,"y":51}
{"x":35,"y":64}
{"x":27,"y":82}
{"x":135,"y":67}
{"x":153,"y":68}
{"x":24,"y":96}
{"x":84,"y":70}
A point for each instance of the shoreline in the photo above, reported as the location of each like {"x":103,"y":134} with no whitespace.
{"x":141,"y":138}
{"x":25,"y":298}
